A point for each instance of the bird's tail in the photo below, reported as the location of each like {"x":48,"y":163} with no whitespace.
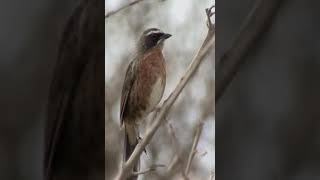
{"x":130,"y":142}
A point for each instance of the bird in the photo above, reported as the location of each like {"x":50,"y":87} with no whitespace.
{"x":75,"y":125}
{"x":143,"y":86}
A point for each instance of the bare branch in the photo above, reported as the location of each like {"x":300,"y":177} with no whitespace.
{"x":209,"y":14}
{"x":204,"y":115}
{"x":173,"y":163}
{"x":194,"y":146}
{"x":206,"y":46}
{"x":212,"y":175}
{"x":122,"y":8}
{"x":177,"y":150}
{"x":151,"y":168}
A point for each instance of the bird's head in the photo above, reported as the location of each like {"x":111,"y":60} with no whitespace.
{"x":152,"y":38}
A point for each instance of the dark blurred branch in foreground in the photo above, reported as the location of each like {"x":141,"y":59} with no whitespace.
{"x":206,"y":46}
{"x":254,"y":27}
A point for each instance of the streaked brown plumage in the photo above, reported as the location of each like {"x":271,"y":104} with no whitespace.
{"x":143,"y":86}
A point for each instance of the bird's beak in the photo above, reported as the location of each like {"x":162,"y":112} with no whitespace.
{"x":166,"y":36}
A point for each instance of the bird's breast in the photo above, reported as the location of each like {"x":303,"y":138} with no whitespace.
{"x":156,"y":93}
{"x":149,"y":85}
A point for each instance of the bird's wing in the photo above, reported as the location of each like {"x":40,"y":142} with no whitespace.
{"x":126,"y":89}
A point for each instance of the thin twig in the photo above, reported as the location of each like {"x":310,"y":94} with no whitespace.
{"x":202,"y":154}
{"x":177,"y":150}
{"x":151,"y":168}
{"x":210,"y":13}
{"x":212,"y":175}
{"x":207,"y":111}
{"x":207,"y":45}
{"x":194,"y":146}
{"x":253,"y":28}
{"x":122,"y":8}
{"x":173,"y":164}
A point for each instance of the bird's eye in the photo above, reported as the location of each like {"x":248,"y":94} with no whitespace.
{"x":152,"y":39}
{"x":155,"y":36}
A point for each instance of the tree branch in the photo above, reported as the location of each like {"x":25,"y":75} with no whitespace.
{"x":151,"y":168}
{"x":212,"y":176}
{"x":177,"y":150}
{"x":207,"y":45}
{"x":194,"y":146}
{"x":122,"y":8}
{"x":256,"y":23}
{"x":111,"y":13}
{"x":207,"y":111}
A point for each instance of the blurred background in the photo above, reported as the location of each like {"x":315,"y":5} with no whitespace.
{"x":29,"y":36}
{"x":268,"y":119}
{"x":186,"y":21}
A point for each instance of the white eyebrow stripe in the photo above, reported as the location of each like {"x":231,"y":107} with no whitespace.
{"x":153,"y":32}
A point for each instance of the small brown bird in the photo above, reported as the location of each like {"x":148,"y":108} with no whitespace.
{"x":143,"y":86}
